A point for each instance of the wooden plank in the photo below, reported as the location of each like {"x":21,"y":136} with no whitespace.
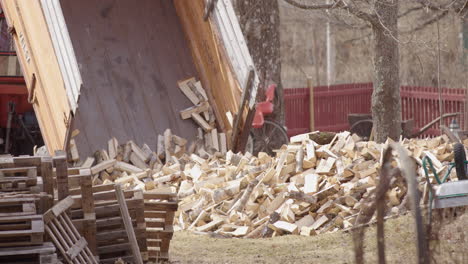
{"x":185,"y":88}
{"x":200,"y":108}
{"x":214,"y":139}
{"x":61,"y":167}
{"x":103,"y":166}
{"x":198,"y":86}
{"x":167,"y":144}
{"x":59,"y":208}
{"x":285,"y":226}
{"x":112,"y":146}
{"x":46,"y":248}
{"x":201,"y":122}
{"x":311,"y":104}
{"x":128,"y":225}
{"x":47,"y":176}
{"x":311,"y":183}
{"x":209,"y":226}
{"x":74,"y":155}
{"x":320,"y":222}
{"x":148,"y":152}
{"x":137,"y":161}
{"x":88,"y":163}
{"x":77,"y":248}
{"x":325,"y":166}
{"x":140,"y":153}
{"x":222,"y":143}
{"x":123,"y":166}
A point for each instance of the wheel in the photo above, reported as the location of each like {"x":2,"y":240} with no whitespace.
{"x":269,"y":137}
{"x":362,"y":128}
{"x":460,"y":158}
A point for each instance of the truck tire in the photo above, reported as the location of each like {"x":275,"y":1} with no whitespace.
{"x":460,"y":158}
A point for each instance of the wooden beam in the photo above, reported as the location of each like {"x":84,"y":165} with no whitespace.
{"x":214,"y":139}
{"x":311,"y":104}
{"x":185,"y":88}
{"x":240,"y":112}
{"x":201,"y":122}
{"x":128,"y":225}
{"x":61,"y":167}
{"x":202,"y":107}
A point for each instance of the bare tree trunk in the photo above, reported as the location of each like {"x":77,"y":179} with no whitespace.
{"x":386,"y":101}
{"x":260,"y":22}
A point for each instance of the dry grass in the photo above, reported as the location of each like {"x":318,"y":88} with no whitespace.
{"x":334,"y":248}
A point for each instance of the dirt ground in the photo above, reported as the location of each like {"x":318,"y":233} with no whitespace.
{"x":336,"y":248}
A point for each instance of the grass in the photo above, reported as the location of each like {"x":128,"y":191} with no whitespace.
{"x":336,"y":248}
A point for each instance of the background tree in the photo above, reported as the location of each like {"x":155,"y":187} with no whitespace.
{"x":259,"y":20}
{"x":382,"y":18}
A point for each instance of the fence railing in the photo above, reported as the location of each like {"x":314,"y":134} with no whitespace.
{"x":333,"y":104}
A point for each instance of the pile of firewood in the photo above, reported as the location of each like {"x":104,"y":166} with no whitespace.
{"x":202,"y":114}
{"x":306,"y":189}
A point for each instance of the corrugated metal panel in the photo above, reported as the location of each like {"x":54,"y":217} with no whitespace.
{"x":63,"y":50}
{"x":234,"y":42}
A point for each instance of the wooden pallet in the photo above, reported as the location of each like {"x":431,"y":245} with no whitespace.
{"x":100,"y":203}
{"x":80,"y":185}
{"x":21,"y":161}
{"x":42,"y":254}
{"x":43,"y":166}
{"x":24,"y":203}
{"x":20,"y":180}
{"x":20,"y":230}
{"x":159,"y":216}
{"x":111,"y":236}
{"x":58,"y":225}
{"x":17,"y":206}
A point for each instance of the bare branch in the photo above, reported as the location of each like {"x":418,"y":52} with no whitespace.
{"x":459,"y":6}
{"x":311,"y":7}
{"x":428,"y":22}
{"x":371,"y":18}
{"x":410,"y":10}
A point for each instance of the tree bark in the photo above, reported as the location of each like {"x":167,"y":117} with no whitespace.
{"x":260,"y":22}
{"x":386,"y":101}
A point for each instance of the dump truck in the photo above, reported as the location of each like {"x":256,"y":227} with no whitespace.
{"x":102,"y":69}
{"x":19,"y":130}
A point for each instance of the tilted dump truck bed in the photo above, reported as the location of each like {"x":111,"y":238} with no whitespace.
{"x":109,"y":68}
{"x":130,"y":57}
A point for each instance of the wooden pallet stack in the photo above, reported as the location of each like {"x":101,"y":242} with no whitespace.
{"x":96,"y":214}
{"x":73,"y":247}
{"x":22,"y":204}
{"x":160,"y":208}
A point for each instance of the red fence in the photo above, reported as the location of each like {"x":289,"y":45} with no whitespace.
{"x":333,"y":104}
